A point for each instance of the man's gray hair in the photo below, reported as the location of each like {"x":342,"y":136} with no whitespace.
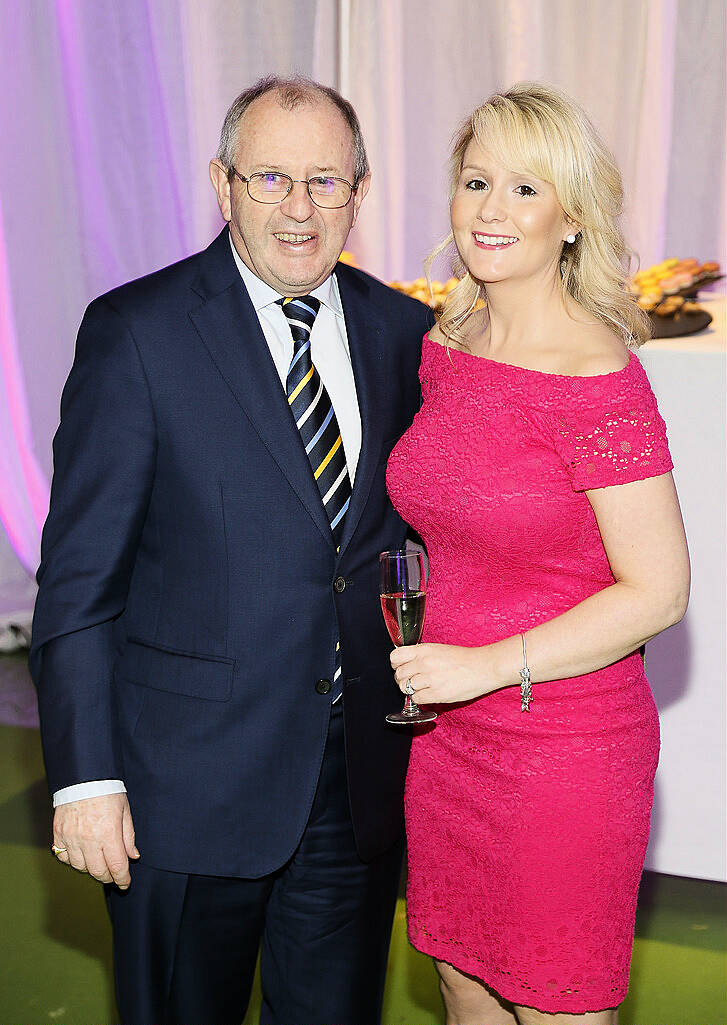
{"x":291,"y":93}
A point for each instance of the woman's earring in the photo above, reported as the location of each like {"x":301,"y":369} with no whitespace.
{"x":570,"y":238}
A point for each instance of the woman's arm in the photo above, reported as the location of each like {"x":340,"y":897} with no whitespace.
{"x":643,"y":536}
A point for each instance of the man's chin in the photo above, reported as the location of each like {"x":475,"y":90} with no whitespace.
{"x":302,"y":279}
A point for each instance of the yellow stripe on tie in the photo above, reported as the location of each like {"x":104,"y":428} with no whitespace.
{"x":328,"y":458}
{"x":293,"y":396}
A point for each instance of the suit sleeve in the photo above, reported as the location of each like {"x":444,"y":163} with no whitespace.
{"x":104,"y":458}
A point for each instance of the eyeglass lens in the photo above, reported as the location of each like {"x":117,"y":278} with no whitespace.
{"x":273,"y":188}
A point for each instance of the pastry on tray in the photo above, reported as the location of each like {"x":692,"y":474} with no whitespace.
{"x":671,"y":277}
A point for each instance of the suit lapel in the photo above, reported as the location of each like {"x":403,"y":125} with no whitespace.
{"x":365,"y":331}
{"x":230,"y":330}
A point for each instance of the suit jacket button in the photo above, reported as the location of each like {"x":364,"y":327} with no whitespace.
{"x":323,"y":686}
{"x":339,"y":584}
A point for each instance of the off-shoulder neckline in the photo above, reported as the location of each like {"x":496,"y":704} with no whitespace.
{"x":469,"y":356}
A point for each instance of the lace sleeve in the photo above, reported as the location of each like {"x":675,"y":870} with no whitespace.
{"x":613,"y":443}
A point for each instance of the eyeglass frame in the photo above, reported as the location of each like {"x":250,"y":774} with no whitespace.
{"x":295,"y":181}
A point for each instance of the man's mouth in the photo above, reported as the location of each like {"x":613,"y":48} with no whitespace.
{"x":494,"y":241}
{"x":292,"y":239}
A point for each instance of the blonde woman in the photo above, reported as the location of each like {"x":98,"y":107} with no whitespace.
{"x":537,"y":471}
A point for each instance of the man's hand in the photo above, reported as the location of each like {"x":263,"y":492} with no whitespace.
{"x":98,"y":835}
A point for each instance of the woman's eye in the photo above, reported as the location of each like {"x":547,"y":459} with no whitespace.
{"x":526,"y":190}
{"x":476,"y":184}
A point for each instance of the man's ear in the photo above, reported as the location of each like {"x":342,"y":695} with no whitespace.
{"x":221,"y":185}
{"x":359,"y":194}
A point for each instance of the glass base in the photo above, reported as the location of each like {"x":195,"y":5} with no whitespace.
{"x":407,"y":718}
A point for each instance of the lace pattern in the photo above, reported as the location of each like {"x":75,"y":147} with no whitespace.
{"x":527,"y":833}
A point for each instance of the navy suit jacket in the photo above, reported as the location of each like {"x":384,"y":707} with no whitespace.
{"x":186,"y":605}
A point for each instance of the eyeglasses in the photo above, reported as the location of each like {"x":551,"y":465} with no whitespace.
{"x":272,"y":187}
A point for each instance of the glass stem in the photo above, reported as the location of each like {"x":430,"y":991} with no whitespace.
{"x":410,"y":705}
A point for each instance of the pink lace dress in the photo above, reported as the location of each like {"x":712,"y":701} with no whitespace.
{"x":527,"y":832}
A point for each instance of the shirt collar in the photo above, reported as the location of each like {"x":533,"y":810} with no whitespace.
{"x":262,"y":295}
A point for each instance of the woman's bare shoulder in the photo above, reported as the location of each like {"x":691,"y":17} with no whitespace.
{"x":437,"y":335}
{"x":470,"y":330}
{"x":593,"y":349}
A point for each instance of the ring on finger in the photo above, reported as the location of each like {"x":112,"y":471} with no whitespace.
{"x":408,"y":690}
{"x":58,"y":850}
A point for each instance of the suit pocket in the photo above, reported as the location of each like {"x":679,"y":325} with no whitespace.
{"x":195,"y":676}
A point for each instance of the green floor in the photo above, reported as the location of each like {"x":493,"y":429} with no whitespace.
{"x":55,"y":941}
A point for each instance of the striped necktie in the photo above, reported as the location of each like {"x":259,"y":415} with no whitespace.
{"x":314,"y":417}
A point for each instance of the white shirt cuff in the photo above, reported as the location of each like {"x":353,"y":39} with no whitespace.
{"x":95,"y":788}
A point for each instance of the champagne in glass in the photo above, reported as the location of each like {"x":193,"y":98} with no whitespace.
{"x":404,"y":616}
{"x":403,"y":592}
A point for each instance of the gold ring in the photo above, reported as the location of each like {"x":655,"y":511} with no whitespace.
{"x":58,"y":850}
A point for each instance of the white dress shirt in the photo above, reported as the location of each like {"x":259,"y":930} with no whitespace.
{"x":331,"y":356}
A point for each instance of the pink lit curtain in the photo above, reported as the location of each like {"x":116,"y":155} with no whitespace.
{"x":110,"y":114}
{"x":111,"y":111}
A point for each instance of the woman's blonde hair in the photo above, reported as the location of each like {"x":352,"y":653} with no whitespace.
{"x":537,"y":129}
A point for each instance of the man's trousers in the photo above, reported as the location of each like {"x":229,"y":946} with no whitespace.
{"x":186,"y":946}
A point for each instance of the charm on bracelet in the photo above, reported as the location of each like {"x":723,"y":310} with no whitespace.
{"x":526,"y":690}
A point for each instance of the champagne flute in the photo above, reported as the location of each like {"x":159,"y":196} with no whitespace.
{"x":403,"y":592}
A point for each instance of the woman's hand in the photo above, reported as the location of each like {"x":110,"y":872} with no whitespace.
{"x":443,"y":673}
{"x":644,"y":541}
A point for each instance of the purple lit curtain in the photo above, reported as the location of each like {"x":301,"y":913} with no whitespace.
{"x":24,"y":491}
{"x":112,"y":109}
{"x":110,"y":114}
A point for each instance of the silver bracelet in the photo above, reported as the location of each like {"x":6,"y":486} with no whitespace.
{"x":526,"y":690}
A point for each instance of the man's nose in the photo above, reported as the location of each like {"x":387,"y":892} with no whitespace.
{"x":298,"y":204}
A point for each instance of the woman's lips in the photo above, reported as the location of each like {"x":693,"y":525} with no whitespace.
{"x":484,"y":241}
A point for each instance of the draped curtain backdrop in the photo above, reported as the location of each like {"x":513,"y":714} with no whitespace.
{"x":112,"y":110}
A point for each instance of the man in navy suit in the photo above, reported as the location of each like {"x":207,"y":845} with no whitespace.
{"x":209,"y":652}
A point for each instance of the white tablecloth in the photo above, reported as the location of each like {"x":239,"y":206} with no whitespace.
{"x":686,"y":665}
